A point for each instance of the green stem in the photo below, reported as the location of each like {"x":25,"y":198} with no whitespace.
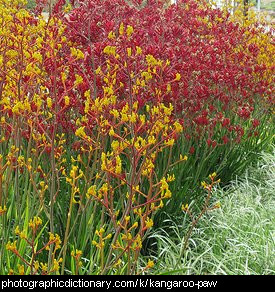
{"x":193,"y":225}
{"x":129,"y":261}
{"x":66,"y":237}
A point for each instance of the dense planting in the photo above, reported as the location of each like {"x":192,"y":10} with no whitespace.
{"x":224,"y":95}
{"x":105,"y":120}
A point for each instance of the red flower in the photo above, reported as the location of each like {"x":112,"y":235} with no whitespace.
{"x":255,"y":123}
{"x":192,"y":150}
{"x":202,"y":121}
{"x":225,"y":139}
{"x":226,"y":122}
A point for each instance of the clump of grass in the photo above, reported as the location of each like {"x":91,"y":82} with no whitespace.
{"x":237,"y":239}
{"x":268,"y":5}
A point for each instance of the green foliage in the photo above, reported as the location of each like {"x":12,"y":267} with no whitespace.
{"x":236,"y":239}
{"x":229,"y":161}
{"x":84,"y":203}
{"x":31,"y":4}
{"x":268,"y":5}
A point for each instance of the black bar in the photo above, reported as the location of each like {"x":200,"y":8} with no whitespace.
{"x":44,"y":283}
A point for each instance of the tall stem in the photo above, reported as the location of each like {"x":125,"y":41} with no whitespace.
{"x":194,"y":223}
{"x":53,"y":164}
{"x":66,"y":237}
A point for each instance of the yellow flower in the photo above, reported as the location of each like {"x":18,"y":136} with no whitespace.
{"x":164,"y":188}
{"x":124,"y":117}
{"x":138,"y":50}
{"x":66,"y":100}
{"x":167,"y":194}
{"x":138,"y":243}
{"x":77,"y":253}
{"x":11,"y":246}
{"x":213,"y":175}
{"x":49,"y":102}
{"x":121,"y":29}
{"x":77,"y":53}
{"x":218,"y":205}
{"x":170,"y":142}
{"x":17,"y":230}
{"x":78,"y":80}
{"x":184,"y":207}
{"x":57,"y":242}
{"x":36,"y":265}
{"x":170,"y":178}
{"x":91,"y":191}
{"x":3,"y":210}
{"x":21,"y":269}
{"x":110,"y":50}
{"x":39,"y":42}
{"x":135,"y":225}
{"x":35,"y":222}
{"x":103,"y":190}
{"x":129,"y":52}
{"x":103,"y":161}
{"x":140,"y":143}
{"x":37,"y":56}
{"x":184,"y":158}
{"x":80,"y":132}
{"x":115,"y":113}
{"x":149,"y":223}
{"x":56,"y":264}
{"x":152,"y":140}
{"x":132,"y":118}
{"x":68,"y":8}
{"x":54,"y":239}
{"x":167,"y":110}
{"x":204,"y":184}
{"x":150,"y":264}
{"x":44,"y":267}
{"x":129,"y":30}
{"x":178,"y":127}
{"x":73,"y":171}
{"x":97,"y":72}
{"x":151,"y":60}
{"x":115,"y":145}
{"x":178,"y":77}
{"x":112,"y":132}
{"x":117,"y":263}
{"x":118,"y":165}
{"x":111,"y":35}
{"x":142,"y":119}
